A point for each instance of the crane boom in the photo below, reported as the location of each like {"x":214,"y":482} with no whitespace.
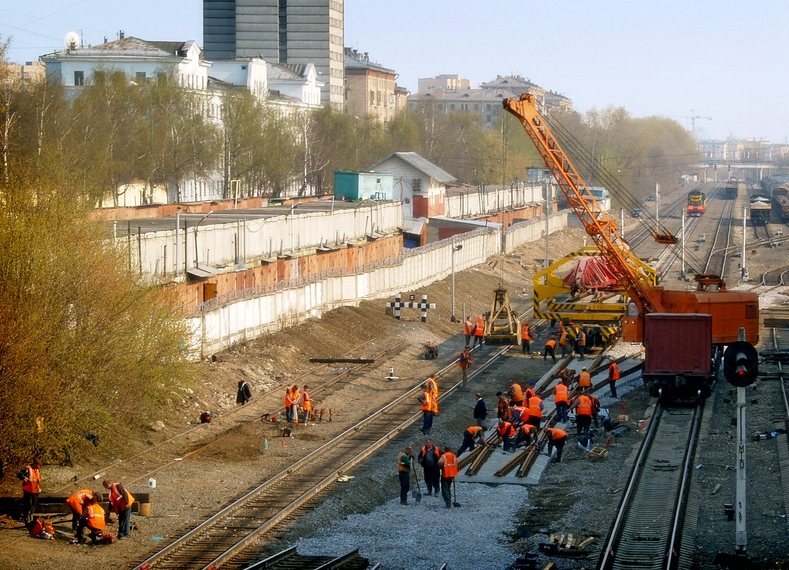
{"x":601,"y":227}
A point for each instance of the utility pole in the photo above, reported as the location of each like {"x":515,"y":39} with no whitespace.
{"x":744,"y":270}
{"x":622,"y":223}
{"x":657,"y":203}
{"x":682,"y":249}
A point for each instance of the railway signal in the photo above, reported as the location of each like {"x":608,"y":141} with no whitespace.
{"x":740,"y":364}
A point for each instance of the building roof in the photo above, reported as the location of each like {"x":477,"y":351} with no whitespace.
{"x":281,"y":71}
{"x":422,"y":165}
{"x":358,"y":60}
{"x":130,"y":47}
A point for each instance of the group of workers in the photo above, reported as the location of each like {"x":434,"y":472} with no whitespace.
{"x":86,"y":510}
{"x":297,"y":399}
{"x":440,"y":467}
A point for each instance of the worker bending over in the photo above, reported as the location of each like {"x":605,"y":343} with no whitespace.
{"x":472,"y":436}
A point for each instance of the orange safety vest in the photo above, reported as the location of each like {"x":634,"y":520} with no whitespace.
{"x":516,"y":394}
{"x":556,"y":433}
{"x":525,"y":333}
{"x":474,"y":431}
{"x":33,"y":482}
{"x":528,"y":429}
{"x":551,"y":343}
{"x":429,"y":404}
{"x":288,"y":397}
{"x":561,"y":394}
{"x":468,"y":328}
{"x":584,"y":407}
{"x":520,"y":409}
{"x":535,"y":407}
{"x":613,"y":371}
{"x":563,"y":340}
{"x":585,"y":380}
{"x":306,"y":401}
{"x":95,"y":518}
{"x":505,"y":429}
{"x":77,"y":499}
{"x":117,"y":501}
{"x":479,"y":330}
{"x":450,"y":468}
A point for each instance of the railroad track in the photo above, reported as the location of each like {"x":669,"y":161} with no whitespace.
{"x":718,"y":256}
{"x":290,"y":559}
{"x":647,"y":528}
{"x":221,"y":539}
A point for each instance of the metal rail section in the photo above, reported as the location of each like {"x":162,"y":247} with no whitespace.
{"x":647,"y":529}
{"x":225,"y":534}
{"x":721,"y":252}
{"x":290,"y":559}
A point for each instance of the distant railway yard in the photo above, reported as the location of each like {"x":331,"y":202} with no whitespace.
{"x":657,"y":483}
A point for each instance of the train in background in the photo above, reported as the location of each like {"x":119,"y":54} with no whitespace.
{"x":697,"y":203}
{"x":781,"y":200}
{"x":731,"y":189}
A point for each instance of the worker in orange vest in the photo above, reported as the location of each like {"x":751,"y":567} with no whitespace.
{"x":506,"y":431}
{"x":503,"y":411}
{"x":525,"y":435}
{"x":584,"y":380}
{"x":518,"y":413}
{"x":93,"y":518}
{"x":534,"y":411}
{"x":528,"y":393}
{"x":549,"y":350}
{"x":583,"y":419}
{"x":121,"y":502}
{"x":613,"y":376}
{"x":580,"y":343}
{"x":564,"y":341}
{"x":31,"y":489}
{"x":525,"y":339}
{"x":429,"y":409}
{"x":306,"y":404}
{"x":479,"y":331}
{"x":77,"y":501}
{"x":557,"y":437}
{"x":468,"y":330}
{"x":464,"y":361}
{"x":472,"y":436}
{"x":449,"y":470}
{"x":291,"y":403}
{"x":516,"y":394}
{"x":561,"y":399}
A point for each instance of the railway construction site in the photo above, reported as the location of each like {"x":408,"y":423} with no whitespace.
{"x":241,"y":489}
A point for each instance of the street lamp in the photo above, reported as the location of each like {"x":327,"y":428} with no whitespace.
{"x":454,"y":249}
{"x":197,"y":264}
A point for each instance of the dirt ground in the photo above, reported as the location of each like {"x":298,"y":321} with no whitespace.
{"x":199,"y":468}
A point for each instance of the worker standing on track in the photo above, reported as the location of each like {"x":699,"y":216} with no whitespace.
{"x":525,"y":339}
{"x":564,"y":342}
{"x":472,"y":436}
{"x":428,"y":458}
{"x":557,"y":437}
{"x":480,"y":411}
{"x":506,"y":431}
{"x":468,"y":330}
{"x":502,"y":407}
{"x":464,"y":361}
{"x":580,"y":343}
{"x":291,"y":402}
{"x":306,"y":404}
{"x":429,"y":409}
{"x":549,"y":350}
{"x":121,"y":502}
{"x":449,"y":470}
{"x":595,"y":409}
{"x":534,"y":411}
{"x":479,"y":331}
{"x":584,"y":381}
{"x":561,"y":399}
{"x":613,"y":376}
{"x":77,"y":501}
{"x":404,"y":473}
{"x":583,"y":420}
{"x":31,"y":489}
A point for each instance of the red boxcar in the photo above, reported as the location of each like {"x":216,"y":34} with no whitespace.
{"x":678,"y":355}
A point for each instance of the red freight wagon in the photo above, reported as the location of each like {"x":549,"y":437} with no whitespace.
{"x":678,"y":355}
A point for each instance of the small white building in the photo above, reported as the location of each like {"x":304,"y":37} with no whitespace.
{"x":418,"y":183}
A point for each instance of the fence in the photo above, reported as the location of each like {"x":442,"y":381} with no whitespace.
{"x":219,"y":327}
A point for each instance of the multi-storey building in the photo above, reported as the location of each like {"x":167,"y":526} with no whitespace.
{"x":451,"y":94}
{"x":288,"y":32}
{"x":370,"y":88}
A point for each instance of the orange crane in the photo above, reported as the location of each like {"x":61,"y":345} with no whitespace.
{"x":730,"y":310}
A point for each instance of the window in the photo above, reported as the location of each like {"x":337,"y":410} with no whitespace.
{"x":372,"y":97}
{"x":416,"y":185}
{"x":79,"y":78}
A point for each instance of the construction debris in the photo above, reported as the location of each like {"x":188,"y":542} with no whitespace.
{"x":566,"y":545}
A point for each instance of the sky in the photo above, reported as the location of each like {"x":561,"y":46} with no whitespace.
{"x":723,"y":61}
